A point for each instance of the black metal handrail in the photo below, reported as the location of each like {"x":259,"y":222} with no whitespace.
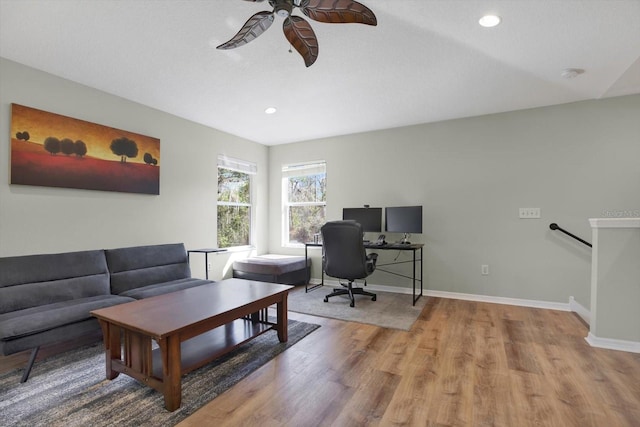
{"x":555,"y":226}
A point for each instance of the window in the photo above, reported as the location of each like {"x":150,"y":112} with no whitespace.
{"x":234,"y":202}
{"x":304,"y":193}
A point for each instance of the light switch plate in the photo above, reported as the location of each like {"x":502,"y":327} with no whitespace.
{"x":529,"y":213}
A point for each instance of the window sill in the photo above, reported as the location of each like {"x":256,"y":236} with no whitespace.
{"x":293,"y":245}
{"x":236,"y":249}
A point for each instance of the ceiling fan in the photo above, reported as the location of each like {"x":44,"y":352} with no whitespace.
{"x":296,"y":29}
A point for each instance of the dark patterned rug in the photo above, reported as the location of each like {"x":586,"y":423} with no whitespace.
{"x":70,"y":389}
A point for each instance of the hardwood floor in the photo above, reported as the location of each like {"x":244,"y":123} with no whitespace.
{"x":462,"y":364}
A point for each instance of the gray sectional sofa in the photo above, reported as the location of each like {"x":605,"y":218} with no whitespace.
{"x":45,"y":299}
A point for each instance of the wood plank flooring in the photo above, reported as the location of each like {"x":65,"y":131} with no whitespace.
{"x":462,"y":364}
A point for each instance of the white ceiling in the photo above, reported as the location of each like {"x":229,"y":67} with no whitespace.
{"x":426,"y":61}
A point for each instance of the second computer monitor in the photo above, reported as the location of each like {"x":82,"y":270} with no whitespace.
{"x":369,"y":218}
{"x":403,"y":219}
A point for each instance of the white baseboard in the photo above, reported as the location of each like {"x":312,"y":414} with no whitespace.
{"x":467,"y":297}
{"x":613,"y":344}
{"x":572,"y":305}
{"x":580,"y":310}
{"x":501,"y":300}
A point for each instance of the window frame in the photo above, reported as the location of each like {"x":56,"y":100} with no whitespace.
{"x":297,"y":170}
{"x":250,"y":169}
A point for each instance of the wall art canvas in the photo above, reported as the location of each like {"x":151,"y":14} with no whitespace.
{"x":51,"y":150}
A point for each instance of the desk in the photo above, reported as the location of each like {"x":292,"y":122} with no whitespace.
{"x":413,"y":247}
{"x":206,"y":253}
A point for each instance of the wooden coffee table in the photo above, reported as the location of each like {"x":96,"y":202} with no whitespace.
{"x":192,"y":327}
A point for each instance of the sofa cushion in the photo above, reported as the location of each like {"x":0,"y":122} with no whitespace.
{"x":164,"y":288}
{"x":141,"y":266}
{"x":32,"y":320}
{"x":52,"y":336}
{"x":34,"y":280}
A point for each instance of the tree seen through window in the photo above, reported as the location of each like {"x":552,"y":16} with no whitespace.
{"x":305,"y":200}
{"x":234,"y":208}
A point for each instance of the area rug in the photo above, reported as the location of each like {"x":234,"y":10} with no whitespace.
{"x":71,"y":390}
{"x":390,"y":310}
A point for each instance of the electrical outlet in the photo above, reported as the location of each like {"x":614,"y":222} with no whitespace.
{"x":485,"y":269}
{"x":209,"y":268}
{"x":529,"y":213}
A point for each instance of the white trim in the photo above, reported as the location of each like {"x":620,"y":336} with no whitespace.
{"x":304,"y":169}
{"x":467,"y":297}
{"x":614,"y":222}
{"x":289,"y":172}
{"x":613,"y":344}
{"x":573,"y":306}
{"x":580,"y":310}
{"x":250,"y":169}
{"x":501,"y":300}
{"x":237,"y":165}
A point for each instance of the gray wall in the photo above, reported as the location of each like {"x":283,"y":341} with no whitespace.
{"x":615,"y":280}
{"x":574,"y":161}
{"x":42,"y":219}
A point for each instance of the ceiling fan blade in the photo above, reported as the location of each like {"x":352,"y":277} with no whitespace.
{"x":256,"y":25}
{"x":338,"y":12}
{"x":302,"y":38}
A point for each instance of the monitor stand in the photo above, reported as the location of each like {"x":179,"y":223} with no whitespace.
{"x":405,"y":239}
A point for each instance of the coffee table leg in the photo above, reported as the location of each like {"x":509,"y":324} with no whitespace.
{"x":281,"y":310}
{"x":111,"y":338}
{"x":172,"y":372}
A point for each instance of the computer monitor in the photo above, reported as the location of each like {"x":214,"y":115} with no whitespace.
{"x":369,"y":218}
{"x":403,"y":219}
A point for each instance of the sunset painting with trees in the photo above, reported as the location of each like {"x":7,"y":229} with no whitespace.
{"x":52,"y":150}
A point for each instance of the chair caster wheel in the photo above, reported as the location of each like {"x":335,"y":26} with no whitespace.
{"x":326,"y":299}
{"x":352,"y":304}
{"x":373,"y":298}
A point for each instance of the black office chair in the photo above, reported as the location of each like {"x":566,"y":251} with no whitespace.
{"x":344,"y":257}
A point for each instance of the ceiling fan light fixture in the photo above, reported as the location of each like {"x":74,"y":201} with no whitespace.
{"x":489,"y":21}
{"x":283,"y":8}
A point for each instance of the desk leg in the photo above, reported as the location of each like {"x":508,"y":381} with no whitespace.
{"x":306,"y":261}
{"x":414,"y":277}
{"x":171,"y":372}
{"x":206,"y":265}
{"x":282,"y":322}
{"x":421,"y":273}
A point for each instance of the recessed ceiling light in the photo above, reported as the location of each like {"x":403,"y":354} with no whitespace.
{"x":570,"y":73}
{"x":270,"y":110}
{"x":489,"y":21}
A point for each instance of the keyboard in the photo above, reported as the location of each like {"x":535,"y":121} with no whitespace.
{"x":388,"y":245}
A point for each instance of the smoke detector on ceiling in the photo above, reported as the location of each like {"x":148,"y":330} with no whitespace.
{"x":570,"y":73}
